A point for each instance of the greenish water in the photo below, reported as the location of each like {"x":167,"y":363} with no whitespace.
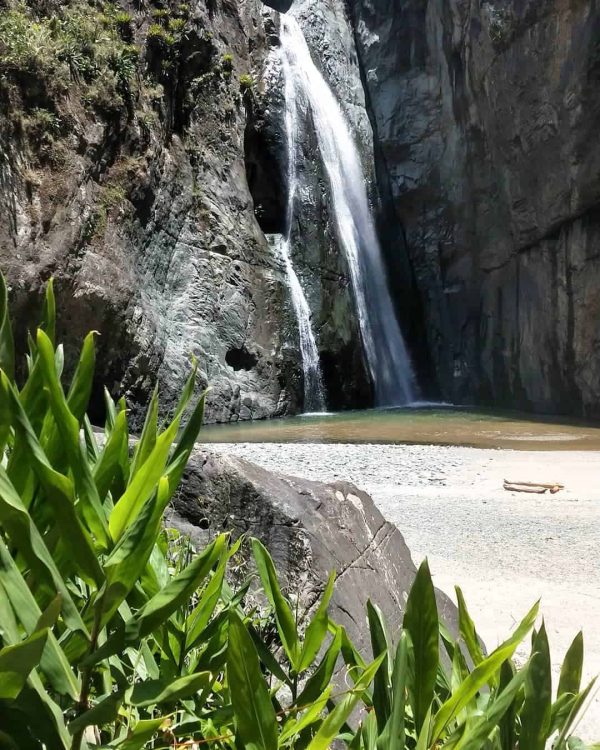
{"x":433,"y":425}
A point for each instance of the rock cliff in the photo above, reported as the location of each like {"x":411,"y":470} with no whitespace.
{"x":485,"y":115}
{"x":143,"y":163}
{"x":136,"y":170}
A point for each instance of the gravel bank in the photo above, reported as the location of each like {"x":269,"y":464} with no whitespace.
{"x":504,"y":549}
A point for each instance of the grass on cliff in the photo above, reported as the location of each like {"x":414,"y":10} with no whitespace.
{"x":115,"y":633}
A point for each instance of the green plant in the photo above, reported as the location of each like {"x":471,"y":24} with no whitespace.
{"x":158,"y":37}
{"x":420,"y":701}
{"x":117,"y":632}
{"x":160,"y":13}
{"x":246,"y":83}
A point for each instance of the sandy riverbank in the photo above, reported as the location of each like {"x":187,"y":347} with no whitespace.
{"x":504,"y":549}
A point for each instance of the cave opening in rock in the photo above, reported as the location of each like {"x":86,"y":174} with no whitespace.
{"x":265,"y":174}
{"x":280,"y":5}
{"x":241,"y":359}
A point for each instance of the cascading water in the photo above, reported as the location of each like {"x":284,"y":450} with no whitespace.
{"x":384,"y":347}
{"x":314,"y":394}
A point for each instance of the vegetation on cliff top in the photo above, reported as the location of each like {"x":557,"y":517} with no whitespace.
{"x":116,"y":633}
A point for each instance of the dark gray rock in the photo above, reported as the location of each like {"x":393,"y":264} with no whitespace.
{"x":310,"y":528}
{"x":484,"y":114}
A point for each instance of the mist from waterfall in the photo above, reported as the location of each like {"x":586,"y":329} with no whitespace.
{"x":314,"y":393}
{"x":385,"y":351}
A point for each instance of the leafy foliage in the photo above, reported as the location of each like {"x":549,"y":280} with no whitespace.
{"x":115,"y":632}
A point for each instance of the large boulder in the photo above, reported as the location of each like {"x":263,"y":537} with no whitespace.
{"x":310,"y":528}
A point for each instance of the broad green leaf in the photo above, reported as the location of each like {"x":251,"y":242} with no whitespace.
{"x":108,"y":464}
{"x":160,"y":607}
{"x":369,"y":731}
{"x":104,"y":712}
{"x":188,"y":389}
{"x":578,"y":705}
{"x":126,"y":563}
{"x":166,"y":690}
{"x":7,"y":346}
{"x":295,"y":725}
{"x":203,"y":611}
{"x":186,"y":442}
{"x":145,"y":445}
{"x":570,"y":673}
{"x":424,"y":739}
{"x":284,"y":619}
{"x":333,"y":722}
{"x":81,"y":384}
{"x":54,"y":663}
{"x":382,"y":698}
{"x":467,"y":630}
{"x":421,"y":623}
{"x":536,"y":712}
{"x":68,"y":428}
{"x":318,"y":681}
{"x":24,"y":535}
{"x":44,"y":714}
{"x":144,"y":731}
{"x":17,"y":661}
{"x":143,"y":483}
{"x":143,"y":694}
{"x":561,"y":709}
{"x":477,"y":731}
{"x":254,"y":713}
{"x":59,"y":492}
{"x":480,"y":676}
{"x":48,"y":322}
{"x":393,"y":736}
{"x":90,"y":440}
{"x":508,"y":724}
{"x":111,"y":411}
{"x":317,"y":628}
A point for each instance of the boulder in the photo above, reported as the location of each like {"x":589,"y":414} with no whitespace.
{"x":310,"y":528}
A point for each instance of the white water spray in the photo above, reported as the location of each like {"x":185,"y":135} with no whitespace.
{"x":314,"y":394}
{"x":384,"y":347}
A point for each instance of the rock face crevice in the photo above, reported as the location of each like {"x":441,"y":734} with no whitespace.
{"x":484,"y":114}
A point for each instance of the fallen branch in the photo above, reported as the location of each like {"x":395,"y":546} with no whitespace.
{"x":537,"y":488}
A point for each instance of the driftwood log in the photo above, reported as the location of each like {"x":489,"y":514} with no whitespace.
{"x":537,"y":488}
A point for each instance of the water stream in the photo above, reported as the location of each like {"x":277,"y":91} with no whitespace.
{"x":314,"y":394}
{"x":384,"y":347}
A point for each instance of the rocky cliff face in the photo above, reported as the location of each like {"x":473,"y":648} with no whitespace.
{"x":137,"y":171}
{"x":142,"y":164}
{"x":132,"y":192}
{"x":485,"y":114}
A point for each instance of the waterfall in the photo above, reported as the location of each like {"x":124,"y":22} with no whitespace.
{"x":314,"y":394}
{"x":385,"y":351}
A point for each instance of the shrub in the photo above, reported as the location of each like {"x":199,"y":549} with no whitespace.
{"x":158,"y":37}
{"x":246,"y":83}
{"x":115,"y":632}
{"x":123,"y":22}
{"x":176,"y":25}
{"x":160,"y":13}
